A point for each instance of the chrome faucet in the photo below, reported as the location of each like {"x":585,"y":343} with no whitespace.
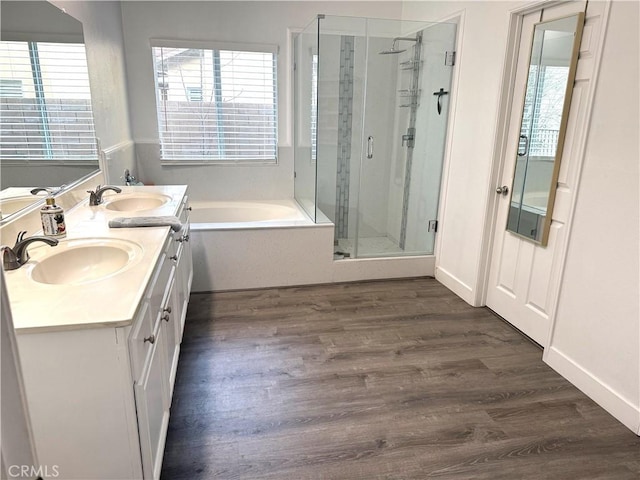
{"x":50,"y":191}
{"x":95,"y":198}
{"x":36,"y":191}
{"x":128,"y":178}
{"x":14,"y":258}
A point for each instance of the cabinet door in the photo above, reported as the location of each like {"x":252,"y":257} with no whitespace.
{"x":152,"y":404}
{"x":138,"y":347}
{"x":170,"y":321}
{"x":184,"y":270}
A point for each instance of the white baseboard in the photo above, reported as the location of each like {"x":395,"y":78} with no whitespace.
{"x":623,"y":410}
{"x":456,"y":285}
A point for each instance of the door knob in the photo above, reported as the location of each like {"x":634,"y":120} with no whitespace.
{"x":503,"y":190}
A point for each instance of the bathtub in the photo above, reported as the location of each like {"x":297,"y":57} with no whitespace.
{"x":233,"y":215}
{"x":241,"y":245}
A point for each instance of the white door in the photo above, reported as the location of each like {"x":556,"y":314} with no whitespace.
{"x":524,"y":276}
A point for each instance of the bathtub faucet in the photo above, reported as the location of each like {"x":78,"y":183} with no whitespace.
{"x":95,"y":198}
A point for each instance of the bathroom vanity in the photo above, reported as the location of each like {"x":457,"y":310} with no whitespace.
{"x":99,"y":321}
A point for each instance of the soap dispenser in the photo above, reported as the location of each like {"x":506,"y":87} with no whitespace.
{"x":52,"y":216}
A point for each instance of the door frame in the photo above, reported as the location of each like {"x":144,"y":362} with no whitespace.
{"x":500,"y":151}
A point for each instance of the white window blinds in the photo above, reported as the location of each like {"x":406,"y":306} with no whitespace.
{"x":216,"y":105}
{"x":45,"y":103}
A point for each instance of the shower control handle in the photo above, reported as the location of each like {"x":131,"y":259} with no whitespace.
{"x":409,"y":139}
{"x":370,"y":147}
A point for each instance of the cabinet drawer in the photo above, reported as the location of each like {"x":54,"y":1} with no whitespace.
{"x":150,"y":311}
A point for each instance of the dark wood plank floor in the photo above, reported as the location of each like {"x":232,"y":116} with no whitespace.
{"x":378,"y":380}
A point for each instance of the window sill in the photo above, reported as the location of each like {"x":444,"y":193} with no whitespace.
{"x":219,"y":163}
{"x":49,"y":163}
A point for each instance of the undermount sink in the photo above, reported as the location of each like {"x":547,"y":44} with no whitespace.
{"x":135,"y":202}
{"x":78,"y":261}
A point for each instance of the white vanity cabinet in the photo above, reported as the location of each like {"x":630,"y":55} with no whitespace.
{"x":99,"y":397}
{"x":155,"y":351}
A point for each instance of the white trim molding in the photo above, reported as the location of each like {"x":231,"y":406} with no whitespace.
{"x":596,"y":389}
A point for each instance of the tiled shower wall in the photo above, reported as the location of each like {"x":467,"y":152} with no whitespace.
{"x":345,"y":117}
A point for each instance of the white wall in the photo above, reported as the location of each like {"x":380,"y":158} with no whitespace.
{"x":596,"y":335}
{"x":103,"y":37}
{"x":597,"y":326}
{"x":243,"y":22}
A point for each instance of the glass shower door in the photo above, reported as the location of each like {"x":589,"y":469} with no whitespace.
{"x":403,"y":136}
{"x":341,"y":86}
{"x":371,"y":104}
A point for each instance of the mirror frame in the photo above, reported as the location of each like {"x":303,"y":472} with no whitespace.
{"x":573,"y":66}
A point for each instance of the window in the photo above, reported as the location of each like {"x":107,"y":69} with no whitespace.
{"x":216,"y":105}
{"x":541,"y":118}
{"x":45,"y":103}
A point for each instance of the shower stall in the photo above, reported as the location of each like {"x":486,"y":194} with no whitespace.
{"x":371,"y":98}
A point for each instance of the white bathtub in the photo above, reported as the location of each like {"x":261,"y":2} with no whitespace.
{"x":234,"y":215}
{"x":239,"y":245}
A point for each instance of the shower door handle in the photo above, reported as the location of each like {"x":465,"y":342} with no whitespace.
{"x":521,"y":143}
{"x":370,"y":147}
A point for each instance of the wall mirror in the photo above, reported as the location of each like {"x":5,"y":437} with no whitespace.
{"x":552,"y":68}
{"x":47,"y":135}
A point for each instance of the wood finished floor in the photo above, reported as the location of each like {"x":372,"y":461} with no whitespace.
{"x":378,"y":380}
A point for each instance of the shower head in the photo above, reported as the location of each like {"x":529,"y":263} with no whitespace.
{"x":394,"y":50}
{"x":391,"y":51}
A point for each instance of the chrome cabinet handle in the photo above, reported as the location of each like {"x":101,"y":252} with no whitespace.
{"x":166,"y":317}
{"x":503,"y":190}
{"x":189,"y":208}
{"x":183,"y":238}
{"x":174,"y":257}
{"x":151,"y":339}
{"x":370,"y":147}
{"x":168,"y":309}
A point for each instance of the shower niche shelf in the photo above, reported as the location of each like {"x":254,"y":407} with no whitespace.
{"x":410,"y":64}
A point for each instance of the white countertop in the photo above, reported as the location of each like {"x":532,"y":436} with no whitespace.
{"x":111,"y":301}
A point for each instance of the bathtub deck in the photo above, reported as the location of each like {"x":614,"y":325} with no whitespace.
{"x":377,"y":380}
